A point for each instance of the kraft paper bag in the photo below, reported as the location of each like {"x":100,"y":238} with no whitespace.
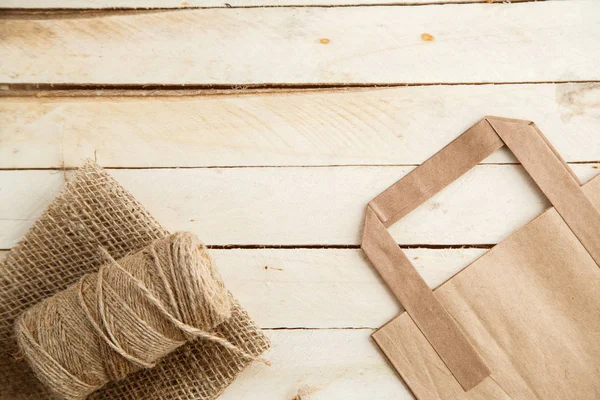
{"x":522,"y":321}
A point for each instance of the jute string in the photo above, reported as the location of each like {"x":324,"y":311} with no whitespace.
{"x":125,"y":317}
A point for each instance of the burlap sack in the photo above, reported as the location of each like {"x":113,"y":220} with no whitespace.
{"x":94,"y":210}
{"x":522,"y":321}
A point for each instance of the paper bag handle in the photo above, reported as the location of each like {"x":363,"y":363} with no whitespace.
{"x":540,"y":160}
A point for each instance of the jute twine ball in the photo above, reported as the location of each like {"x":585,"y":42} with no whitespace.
{"x":125,"y":317}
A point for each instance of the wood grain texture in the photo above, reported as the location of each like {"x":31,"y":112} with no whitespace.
{"x":323,"y":288}
{"x":320,"y":365}
{"x":524,"y":42}
{"x":393,"y":126}
{"x":24,"y":195}
{"x":298,"y":206}
{"x":326,"y":292}
{"x":143,"y":4}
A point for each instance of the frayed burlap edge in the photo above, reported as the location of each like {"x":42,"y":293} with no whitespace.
{"x":94,"y":210}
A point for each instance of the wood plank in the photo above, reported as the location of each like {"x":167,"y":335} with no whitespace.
{"x":24,"y":195}
{"x":524,"y":42}
{"x":320,"y":365}
{"x":323,"y":288}
{"x":390,"y":126}
{"x":298,"y":206}
{"x":143,"y":4}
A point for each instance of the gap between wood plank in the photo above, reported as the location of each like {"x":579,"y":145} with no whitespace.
{"x":227,"y":5}
{"x":109,"y":167}
{"x":345,"y":328}
{"x":347,"y":246}
{"x":157,"y":90}
{"x":336,"y":246}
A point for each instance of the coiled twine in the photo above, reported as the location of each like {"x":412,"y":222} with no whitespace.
{"x":125,"y":317}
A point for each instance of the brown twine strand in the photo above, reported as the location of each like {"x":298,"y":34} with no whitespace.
{"x":125,"y":317}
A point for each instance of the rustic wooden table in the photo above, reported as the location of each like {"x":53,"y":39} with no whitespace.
{"x":266,"y":130}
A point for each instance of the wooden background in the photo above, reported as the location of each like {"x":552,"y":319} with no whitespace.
{"x":265,"y":130}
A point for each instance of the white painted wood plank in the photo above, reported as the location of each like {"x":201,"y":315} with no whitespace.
{"x":325,"y":288}
{"x":551,"y":41}
{"x":283,"y":206}
{"x":24,"y":195}
{"x":403,"y":125}
{"x":141,"y":4}
{"x":320,"y":365}
{"x":295,"y":206}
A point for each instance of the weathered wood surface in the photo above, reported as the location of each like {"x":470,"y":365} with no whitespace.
{"x":320,"y":365}
{"x":297,"y":205}
{"x":305,"y":162}
{"x":323,"y":288}
{"x":522,"y":42}
{"x":391,"y":126}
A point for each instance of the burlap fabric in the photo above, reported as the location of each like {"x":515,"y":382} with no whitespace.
{"x":93,"y":210}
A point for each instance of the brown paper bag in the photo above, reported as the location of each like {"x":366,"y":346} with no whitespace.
{"x":522,"y":321}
